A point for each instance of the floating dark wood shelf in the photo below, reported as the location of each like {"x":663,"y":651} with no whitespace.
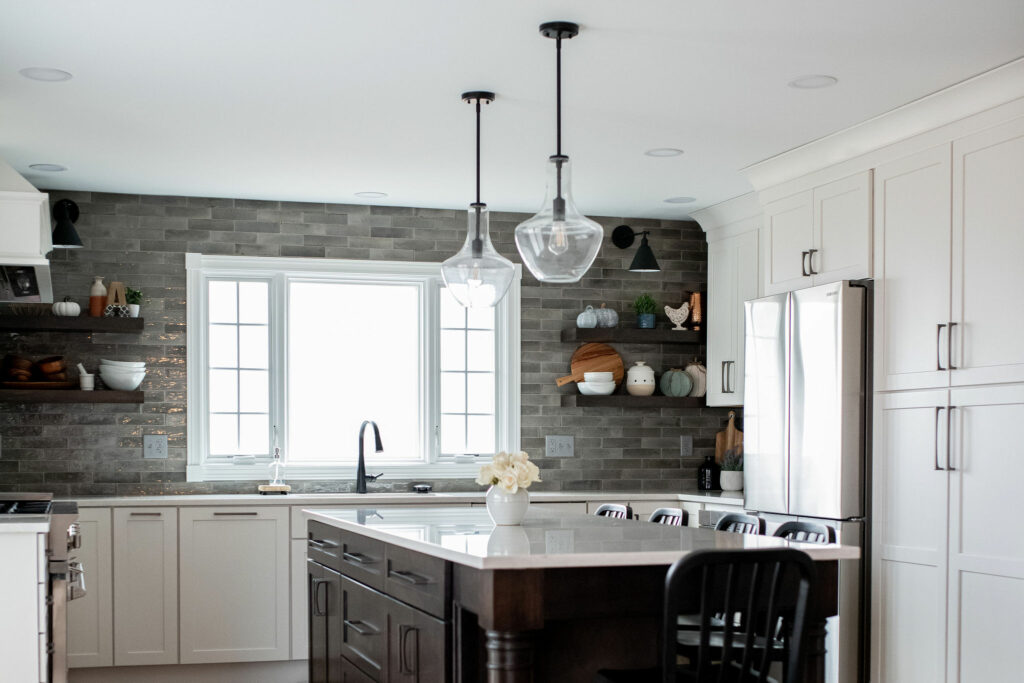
{"x":70,"y":396}
{"x":627,"y":401}
{"x":55,"y":323}
{"x":633,"y":335}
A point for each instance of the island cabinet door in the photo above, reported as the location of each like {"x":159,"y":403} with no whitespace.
{"x":234,"y":593}
{"x":418,"y":646}
{"x":363,"y":634}
{"x":316,"y":588}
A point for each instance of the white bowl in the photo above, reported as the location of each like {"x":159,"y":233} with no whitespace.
{"x":596,"y":388}
{"x":123,"y":382}
{"x":117,"y":370}
{"x":122,"y":363}
{"x":599,"y":377}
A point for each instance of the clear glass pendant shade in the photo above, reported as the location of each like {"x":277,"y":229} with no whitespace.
{"x":559,"y":244}
{"x":478,"y":276}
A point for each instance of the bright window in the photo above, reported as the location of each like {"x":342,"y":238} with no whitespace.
{"x":296,"y":353}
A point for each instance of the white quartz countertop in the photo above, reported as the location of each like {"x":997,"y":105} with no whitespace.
{"x":402,"y":498}
{"x":23,"y":524}
{"x":547,"y":540}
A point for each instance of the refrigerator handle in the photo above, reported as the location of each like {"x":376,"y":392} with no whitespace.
{"x":949,"y":439}
{"x":937,"y":411}
{"x":803,"y":264}
{"x":938,"y":346}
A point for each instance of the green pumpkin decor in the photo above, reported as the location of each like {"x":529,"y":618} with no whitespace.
{"x":675,"y":382}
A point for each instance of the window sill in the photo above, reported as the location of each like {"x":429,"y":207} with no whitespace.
{"x":260,"y":472}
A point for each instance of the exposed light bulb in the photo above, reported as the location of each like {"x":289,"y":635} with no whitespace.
{"x":559,"y":242}
{"x":474,"y":280}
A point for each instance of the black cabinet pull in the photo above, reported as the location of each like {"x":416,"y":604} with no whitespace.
{"x":320,"y":545}
{"x":949,"y":347}
{"x":358,"y":558}
{"x":949,"y":438}
{"x":409,"y":577}
{"x":938,"y":351}
{"x":408,"y":664}
{"x":235,"y":514}
{"x":317,"y":612}
{"x":358,"y":627}
{"x":937,"y":411}
{"x":803,"y":264}
{"x":810,"y":261}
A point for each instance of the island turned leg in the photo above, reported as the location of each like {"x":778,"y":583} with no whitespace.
{"x":509,"y":657}
{"x":814,"y":652}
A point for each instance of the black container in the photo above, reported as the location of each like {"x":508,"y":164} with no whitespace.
{"x":709,"y":475}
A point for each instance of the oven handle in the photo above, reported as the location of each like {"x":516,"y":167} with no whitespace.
{"x":76,"y":581}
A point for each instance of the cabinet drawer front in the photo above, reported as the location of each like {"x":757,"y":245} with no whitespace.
{"x":418,"y":580}
{"x":418,"y":646}
{"x":361,"y":558}
{"x":323,"y":544}
{"x":350,"y":673}
{"x":364,"y":627}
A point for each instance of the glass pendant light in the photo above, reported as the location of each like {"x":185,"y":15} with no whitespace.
{"x":558,"y":244}
{"x":478,"y":276}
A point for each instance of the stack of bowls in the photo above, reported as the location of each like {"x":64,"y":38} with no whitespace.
{"x":122,"y":375}
{"x":597,"y":384}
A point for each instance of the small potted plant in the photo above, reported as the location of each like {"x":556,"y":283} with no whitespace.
{"x":508,"y":475}
{"x":732,"y":471}
{"x":644,"y":305}
{"x":133,"y":298}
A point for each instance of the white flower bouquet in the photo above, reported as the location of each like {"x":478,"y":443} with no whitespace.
{"x":510,"y":471}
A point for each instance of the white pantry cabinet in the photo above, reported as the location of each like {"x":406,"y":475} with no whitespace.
{"x":988,"y":253}
{"x":145,"y":586}
{"x":90,"y":618}
{"x":234,"y":585}
{"x":818,"y":236}
{"x":732,"y":279}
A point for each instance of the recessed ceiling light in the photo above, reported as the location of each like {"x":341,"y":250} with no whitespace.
{"x":49,"y":168}
{"x":372,"y":195}
{"x":680,"y":200}
{"x":813,"y":82}
{"x":42,"y":73}
{"x":663,"y":152}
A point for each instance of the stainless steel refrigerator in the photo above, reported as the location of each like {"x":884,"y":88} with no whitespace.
{"x":806,"y":426}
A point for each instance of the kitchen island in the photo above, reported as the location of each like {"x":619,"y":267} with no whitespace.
{"x":442,"y":594}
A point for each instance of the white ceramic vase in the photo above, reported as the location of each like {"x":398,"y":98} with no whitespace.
{"x":732,"y":481}
{"x":508,"y":540}
{"x":507,"y":509}
{"x":133,"y":310}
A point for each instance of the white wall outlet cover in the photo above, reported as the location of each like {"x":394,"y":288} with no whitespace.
{"x":686,"y":446}
{"x":154,"y":446}
{"x":559,"y":446}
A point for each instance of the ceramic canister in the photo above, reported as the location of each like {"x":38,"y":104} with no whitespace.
{"x":640,"y":379}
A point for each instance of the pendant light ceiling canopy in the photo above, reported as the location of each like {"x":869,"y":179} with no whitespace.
{"x":558,"y":244}
{"x":478,"y":276}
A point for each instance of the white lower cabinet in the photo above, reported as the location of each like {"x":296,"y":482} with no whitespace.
{"x":90,"y":618}
{"x":145,"y":586}
{"x":234,"y":584}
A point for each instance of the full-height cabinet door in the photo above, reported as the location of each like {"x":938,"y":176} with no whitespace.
{"x":317,"y":621}
{"x":986,"y":553}
{"x":234,"y":584}
{"x":908,"y":584}
{"x":788,"y":239}
{"x":913,"y":255}
{"x":732,"y":280}
{"x":145,"y":586}
{"x":842,"y":230}
{"x":90,"y":618}
{"x":417,"y":646}
{"x":988,"y":247}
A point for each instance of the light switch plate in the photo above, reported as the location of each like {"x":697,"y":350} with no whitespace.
{"x":686,"y":446}
{"x":559,"y":446}
{"x":154,"y":446}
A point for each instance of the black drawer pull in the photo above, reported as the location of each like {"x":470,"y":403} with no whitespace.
{"x":320,"y":545}
{"x":146,"y":514}
{"x":235,"y":514}
{"x":409,"y":577}
{"x":358,"y":627}
{"x":358,"y":558}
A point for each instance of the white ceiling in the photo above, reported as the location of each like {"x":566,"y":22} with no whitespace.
{"x":317,"y":100}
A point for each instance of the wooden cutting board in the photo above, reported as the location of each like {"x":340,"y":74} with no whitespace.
{"x":593,"y":358}
{"x":728,"y":439}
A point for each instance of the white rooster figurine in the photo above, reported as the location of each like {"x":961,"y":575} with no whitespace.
{"x":678,"y":315}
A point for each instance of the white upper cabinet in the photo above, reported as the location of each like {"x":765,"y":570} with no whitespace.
{"x":732,"y":279}
{"x":146,"y":586}
{"x":913,"y":253}
{"x":988,"y":253}
{"x":818,"y":236}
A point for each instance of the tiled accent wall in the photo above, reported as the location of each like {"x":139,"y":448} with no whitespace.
{"x":85,"y":449}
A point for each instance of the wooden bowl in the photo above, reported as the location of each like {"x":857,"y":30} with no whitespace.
{"x":19,"y":375}
{"x":57,"y":377}
{"x":12,"y":362}
{"x":51,"y":365}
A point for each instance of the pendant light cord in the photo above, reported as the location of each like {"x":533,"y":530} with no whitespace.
{"x":477,"y":242}
{"x":558,"y":96}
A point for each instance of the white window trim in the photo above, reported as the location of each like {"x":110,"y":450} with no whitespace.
{"x":199,"y":267}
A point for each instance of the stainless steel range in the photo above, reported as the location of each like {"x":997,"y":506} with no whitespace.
{"x":64,"y":579}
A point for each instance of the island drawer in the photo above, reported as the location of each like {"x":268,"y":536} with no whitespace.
{"x":323,"y":544}
{"x":361,"y":558}
{"x":364,"y":625}
{"x":419,"y":580}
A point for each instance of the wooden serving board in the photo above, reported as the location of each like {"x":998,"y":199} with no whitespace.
{"x":593,"y":358}
{"x":728,"y":439}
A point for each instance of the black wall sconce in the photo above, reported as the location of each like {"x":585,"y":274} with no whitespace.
{"x":65,"y":213}
{"x":644,"y":261}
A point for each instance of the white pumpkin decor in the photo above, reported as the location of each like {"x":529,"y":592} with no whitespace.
{"x":587,"y":319}
{"x":606,"y":317}
{"x":67,"y":308}
{"x":699,"y":374}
